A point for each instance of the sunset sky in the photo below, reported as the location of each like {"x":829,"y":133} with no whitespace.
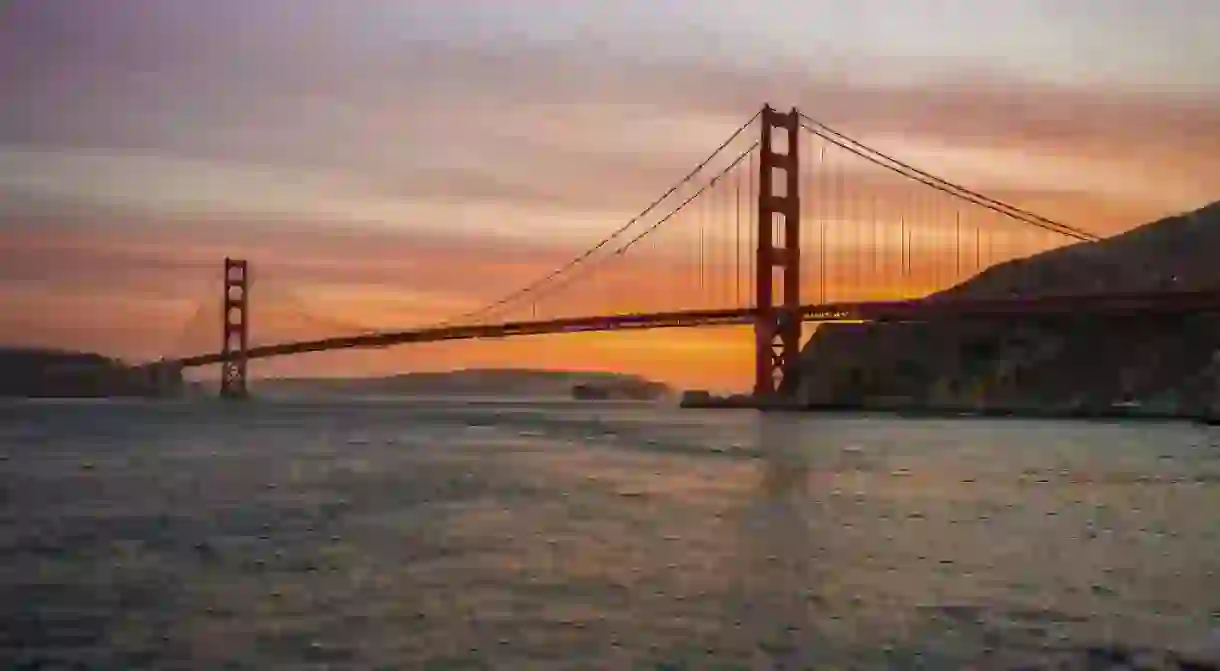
{"x":392,"y":163}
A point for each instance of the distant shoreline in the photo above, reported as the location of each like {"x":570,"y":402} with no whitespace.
{"x":949,"y":412}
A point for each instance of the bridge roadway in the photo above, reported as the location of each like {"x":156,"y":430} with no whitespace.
{"x":918,"y":310}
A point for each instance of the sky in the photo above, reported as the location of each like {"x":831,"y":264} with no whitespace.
{"x":390,"y":163}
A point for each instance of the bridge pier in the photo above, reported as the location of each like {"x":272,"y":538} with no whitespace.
{"x":234,"y":382}
{"x":777,"y":325}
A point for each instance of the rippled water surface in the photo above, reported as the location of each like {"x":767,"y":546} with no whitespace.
{"x":535,"y":536}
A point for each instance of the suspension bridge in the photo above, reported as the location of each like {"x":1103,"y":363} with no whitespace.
{"x":786,"y":222}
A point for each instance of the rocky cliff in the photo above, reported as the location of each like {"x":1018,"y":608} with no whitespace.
{"x":1082,"y":363}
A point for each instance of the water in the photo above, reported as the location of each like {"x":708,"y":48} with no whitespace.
{"x":450,"y":535}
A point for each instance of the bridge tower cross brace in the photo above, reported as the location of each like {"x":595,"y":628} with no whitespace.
{"x":777,"y":325}
{"x":235,"y":346}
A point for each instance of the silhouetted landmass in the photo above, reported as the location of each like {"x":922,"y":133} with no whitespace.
{"x":38,"y":373}
{"x":492,"y":382}
{"x":1083,"y":365}
{"x":625,"y":388}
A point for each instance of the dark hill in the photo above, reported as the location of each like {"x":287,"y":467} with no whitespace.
{"x":1084,"y":363}
{"x":41,"y":373}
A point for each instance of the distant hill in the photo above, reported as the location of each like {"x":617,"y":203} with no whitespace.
{"x":478,"y":382}
{"x":1170,"y":365}
{"x":44,"y":373}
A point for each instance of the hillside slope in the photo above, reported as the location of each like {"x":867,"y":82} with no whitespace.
{"x":41,"y":373}
{"x":1084,"y":363}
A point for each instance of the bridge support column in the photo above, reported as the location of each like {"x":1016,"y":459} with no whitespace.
{"x":233,"y":378}
{"x":777,"y":327}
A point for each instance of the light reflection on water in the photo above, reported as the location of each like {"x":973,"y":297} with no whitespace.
{"x":359,"y":535}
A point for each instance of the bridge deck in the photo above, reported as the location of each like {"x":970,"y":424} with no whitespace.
{"x":919,"y":310}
